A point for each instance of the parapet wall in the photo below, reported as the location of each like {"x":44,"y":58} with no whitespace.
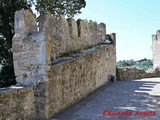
{"x":17,"y":103}
{"x":35,"y":46}
{"x":66,"y":35}
{"x":74,"y":79}
{"x":61,"y":60}
{"x":134,"y":73}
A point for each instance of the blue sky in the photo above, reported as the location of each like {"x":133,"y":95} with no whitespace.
{"x":134,"y":22}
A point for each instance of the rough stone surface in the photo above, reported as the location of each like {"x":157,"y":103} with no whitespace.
{"x":29,"y":49}
{"x":33,"y":50}
{"x":134,"y":73}
{"x":57,"y":86}
{"x":30,"y":59}
{"x":17,"y":103}
{"x":72,"y":80}
{"x":156,"y":49}
{"x":25,"y":22}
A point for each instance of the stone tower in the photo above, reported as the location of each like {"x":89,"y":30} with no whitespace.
{"x":156,"y":49}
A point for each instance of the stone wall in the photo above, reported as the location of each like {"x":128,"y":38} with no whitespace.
{"x":134,"y":73}
{"x":74,"y":79}
{"x":17,"y":103}
{"x":61,"y":60}
{"x":68,"y":35}
{"x":156,"y":49}
{"x":35,"y":46}
{"x":29,"y":49}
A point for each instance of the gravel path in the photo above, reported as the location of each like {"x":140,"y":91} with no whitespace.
{"x":138,"y":97}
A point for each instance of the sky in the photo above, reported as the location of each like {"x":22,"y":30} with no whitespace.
{"x":133,"y":21}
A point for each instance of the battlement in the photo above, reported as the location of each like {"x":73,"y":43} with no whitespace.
{"x":156,"y":36}
{"x":62,"y":35}
{"x":37,"y":42}
{"x":61,"y":60}
{"x":158,"y":32}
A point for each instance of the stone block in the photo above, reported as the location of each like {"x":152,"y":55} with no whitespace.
{"x":25,"y":21}
{"x":17,"y":47}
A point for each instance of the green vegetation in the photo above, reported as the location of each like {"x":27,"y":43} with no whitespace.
{"x":90,"y":46}
{"x":57,"y":7}
{"x":7,"y":10}
{"x":70,"y":53}
{"x":65,"y":54}
{"x":143,"y":63}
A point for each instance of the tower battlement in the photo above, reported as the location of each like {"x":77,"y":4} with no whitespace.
{"x":156,"y":49}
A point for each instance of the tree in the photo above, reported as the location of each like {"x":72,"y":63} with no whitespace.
{"x":7,"y":10}
{"x":66,"y":7}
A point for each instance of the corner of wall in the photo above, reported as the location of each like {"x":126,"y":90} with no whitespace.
{"x":29,"y":49}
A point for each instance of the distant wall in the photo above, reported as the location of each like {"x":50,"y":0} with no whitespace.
{"x":156,"y":49}
{"x":42,"y":60}
{"x":134,"y":73}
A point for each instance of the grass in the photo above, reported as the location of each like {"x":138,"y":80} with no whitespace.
{"x":70,"y":53}
{"x":66,"y":54}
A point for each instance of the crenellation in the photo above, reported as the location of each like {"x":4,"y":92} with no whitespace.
{"x":113,"y":38}
{"x":101,"y":31}
{"x":63,"y":61}
{"x":55,"y":36}
{"x":158,"y":32}
{"x":73,"y":31}
{"x":25,"y":22}
{"x":93,"y":29}
{"x":85,"y":33}
{"x":69,"y":35}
